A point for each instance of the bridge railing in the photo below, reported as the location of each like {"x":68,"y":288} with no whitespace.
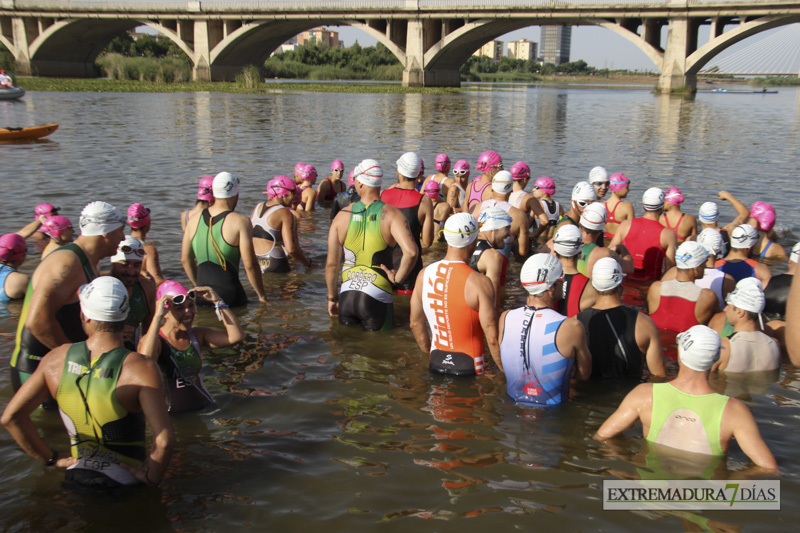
{"x":336,"y":5}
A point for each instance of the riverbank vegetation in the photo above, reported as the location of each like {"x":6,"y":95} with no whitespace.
{"x":775,"y":81}
{"x":356,"y":62}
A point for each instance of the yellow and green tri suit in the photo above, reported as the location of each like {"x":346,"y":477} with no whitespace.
{"x":365,"y":296}
{"x":102,"y":433}
{"x":218,"y":261}
{"x":686,"y":421}
{"x":29,"y":350}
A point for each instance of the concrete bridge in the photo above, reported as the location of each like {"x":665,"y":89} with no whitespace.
{"x":431,"y":38}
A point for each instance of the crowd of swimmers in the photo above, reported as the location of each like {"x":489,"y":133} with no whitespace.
{"x":130,"y":332}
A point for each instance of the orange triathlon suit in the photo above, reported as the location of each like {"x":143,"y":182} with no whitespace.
{"x":456,"y":335}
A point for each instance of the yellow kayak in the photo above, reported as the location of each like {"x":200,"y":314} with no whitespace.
{"x":36,"y":132}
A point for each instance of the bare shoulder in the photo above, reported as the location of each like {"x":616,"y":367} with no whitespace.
{"x":139,"y":369}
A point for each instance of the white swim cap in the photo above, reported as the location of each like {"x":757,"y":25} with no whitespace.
{"x":409,"y":165}
{"x":100,"y":218}
{"x":606,"y":274}
{"x":690,"y":254}
{"x":568,"y":240}
{"x":104,"y":299}
{"x":598,"y":174}
{"x":369,"y":173}
{"x":709,"y":213}
{"x":502,"y":182}
{"x":712,"y":241}
{"x":460,"y":230}
{"x":794,"y":257}
{"x":744,"y":236}
{"x":748,"y":296}
{"x":698,"y":348}
{"x":583,"y":192}
{"x":653,"y":199}
{"x":493,"y":218}
{"x":594,"y":216}
{"x":130,"y":249}
{"x":225,"y":185}
{"x":540,"y":272}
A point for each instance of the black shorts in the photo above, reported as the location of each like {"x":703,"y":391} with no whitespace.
{"x":359,"y":308}
{"x":453,"y":363}
{"x":224,"y":282}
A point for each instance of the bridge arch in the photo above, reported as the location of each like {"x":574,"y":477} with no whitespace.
{"x":700,"y":57}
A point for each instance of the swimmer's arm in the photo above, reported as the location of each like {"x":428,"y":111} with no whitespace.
{"x":153,"y":264}
{"x":150,"y":343}
{"x":487,"y":314}
{"x":742,"y":212}
{"x":577,"y":338}
{"x":290,"y":239}
{"x":187,"y":254}
{"x":427,"y":222}
{"x":793,"y":321}
{"x":669,"y":241}
{"x":747,"y":435}
{"x":653,"y":297}
{"x":708,"y":306}
{"x":763,"y":274}
{"x":627,"y":413}
{"x":724,"y":355}
{"x":402,"y":235}
{"x":151,"y":398}
{"x":30,"y":228}
{"x":249,"y":259}
{"x":335,"y":259}
{"x":417,"y":322}
{"x":17,"y":415}
{"x":216,"y":338}
{"x":649,"y":343}
{"x":523,"y":242}
{"x":619,"y":236}
{"x":452,"y":198}
{"x":52,"y":292}
{"x":623,"y":257}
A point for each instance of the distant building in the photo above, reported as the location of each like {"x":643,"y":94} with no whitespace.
{"x":285,"y":47}
{"x":320,"y":37}
{"x":523,"y":49}
{"x":556,"y":42}
{"x":493,"y":50}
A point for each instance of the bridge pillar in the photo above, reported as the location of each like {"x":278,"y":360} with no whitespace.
{"x":681,"y":42}
{"x":415,"y":73}
{"x":22,"y":58}
{"x":202,"y":52}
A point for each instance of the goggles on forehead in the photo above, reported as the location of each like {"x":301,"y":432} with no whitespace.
{"x":125,"y":249}
{"x":179,"y":299}
{"x":582,"y":203}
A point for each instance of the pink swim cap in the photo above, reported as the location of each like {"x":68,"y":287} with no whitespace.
{"x":442,"y":163}
{"x":298,"y":168}
{"x":308,"y":173}
{"x":279,"y":186}
{"x":617,"y":182}
{"x":674,"y":196}
{"x":432,"y":189}
{"x":170,"y":288}
{"x":350,"y":181}
{"x":12,"y":247}
{"x":45,"y":209}
{"x":55,"y":226}
{"x":204,"y":190}
{"x":764,"y":214}
{"x":337,"y":164}
{"x":520,"y":171}
{"x":488,"y":160}
{"x":421,"y":167}
{"x":461,"y":167}
{"x":546,"y":185}
{"x":138,"y":216}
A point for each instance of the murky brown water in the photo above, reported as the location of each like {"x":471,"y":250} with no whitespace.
{"x":317,"y":425}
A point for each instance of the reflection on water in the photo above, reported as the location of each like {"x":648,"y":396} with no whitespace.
{"x":317,"y":422}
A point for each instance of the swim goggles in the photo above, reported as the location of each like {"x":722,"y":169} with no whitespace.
{"x":179,"y":299}
{"x":126,"y":249}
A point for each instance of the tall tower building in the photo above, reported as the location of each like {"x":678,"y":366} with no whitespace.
{"x":556,"y":41}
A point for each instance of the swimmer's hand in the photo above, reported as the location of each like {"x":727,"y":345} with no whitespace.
{"x":65,"y":461}
{"x":390,"y":274}
{"x":333,"y":308}
{"x":141,"y":473}
{"x":208,"y":294}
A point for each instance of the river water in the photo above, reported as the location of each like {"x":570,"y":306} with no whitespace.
{"x":318,"y":425}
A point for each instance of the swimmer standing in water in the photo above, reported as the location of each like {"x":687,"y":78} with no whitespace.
{"x":275,"y":229}
{"x":332,"y":185}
